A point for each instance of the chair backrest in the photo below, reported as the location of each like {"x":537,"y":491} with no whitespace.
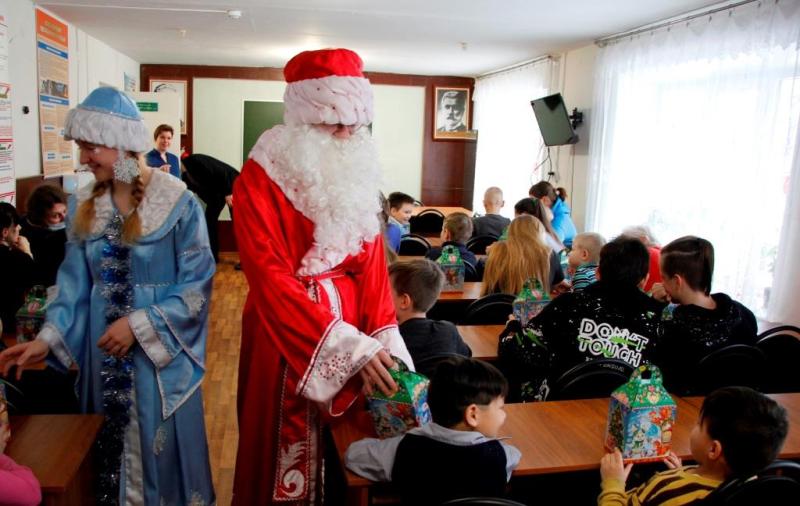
{"x":592,"y":379}
{"x":478,"y":244}
{"x":413,"y":245}
{"x":429,"y":221}
{"x":781,"y":329}
{"x":471,"y":272}
{"x":482,"y":501}
{"x":782,"y":350}
{"x":733,"y":365}
{"x":492,"y":309}
{"x":778,"y":483}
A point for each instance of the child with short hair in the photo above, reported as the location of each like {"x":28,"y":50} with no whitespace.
{"x":401,"y":206}
{"x":459,"y":453}
{"x":415,"y":287}
{"x":738,"y":433}
{"x":583,"y":259}
{"x":493,"y":223}
{"x":456,"y":231}
{"x":697,"y":322}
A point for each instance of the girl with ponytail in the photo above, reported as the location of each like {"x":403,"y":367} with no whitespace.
{"x":131,"y":312}
{"x":697,"y":321}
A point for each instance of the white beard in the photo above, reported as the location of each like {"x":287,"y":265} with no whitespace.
{"x":337,"y":183}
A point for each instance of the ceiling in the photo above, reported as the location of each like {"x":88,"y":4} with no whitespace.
{"x":430,"y":37}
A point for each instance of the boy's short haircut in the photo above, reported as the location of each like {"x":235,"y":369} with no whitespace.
{"x":460,"y":227}
{"x":162,"y":128}
{"x":750,"y":426}
{"x":397,"y":199}
{"x":493,"y":194}
{"x":421,"y":279}
{"x":624,"y":260}
{"x":458,"y":382}
{"x":592,"y":242}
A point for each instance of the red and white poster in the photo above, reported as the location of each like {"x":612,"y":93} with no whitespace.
{"x":7,"y":179}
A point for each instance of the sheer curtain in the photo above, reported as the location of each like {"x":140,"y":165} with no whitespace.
{"x":509,"y":143}
{"x":694,"y":132}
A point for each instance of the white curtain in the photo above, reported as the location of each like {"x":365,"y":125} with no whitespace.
{"x":694,"y":132}
{"x":509,"y":143}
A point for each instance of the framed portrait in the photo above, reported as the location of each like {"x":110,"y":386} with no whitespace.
{"x":451,"y":114}
{"x":173,"y":86}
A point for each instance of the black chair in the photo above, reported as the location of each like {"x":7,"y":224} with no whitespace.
{"x":492,"y":309}
{"x":781,"y":346}
{"x":733,"y":365}
{"x":482,"y":501}
{"x":592,"y":379}
{"x":413,"y":245}
{"x":428,"y":222}
{"x":778,"y":483}
{"x":428,"y":365}
{"x":471,"y":272}
{"x":418,"y":203}
{"x":478,"y":244}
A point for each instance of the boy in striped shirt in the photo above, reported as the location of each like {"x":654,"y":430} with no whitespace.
{"x":738,"y":433}
{"x":583,"y":259}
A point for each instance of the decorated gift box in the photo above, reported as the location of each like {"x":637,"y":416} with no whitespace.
{"x":640,"y":417}
{"x":453,"y":268}
{"x":406,"y":409}
{"x":530,"y":301}
{"x":30,"y":317}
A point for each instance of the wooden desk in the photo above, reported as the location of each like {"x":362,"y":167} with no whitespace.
{"x":408,"y":258}
{"x":472,"y":291}
{"x":554,"y":437}
{"x":482,"y":340}
{"x":443,"y":209}
{"x":57,"y":448}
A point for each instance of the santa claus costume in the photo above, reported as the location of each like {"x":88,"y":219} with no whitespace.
{"x":319,"y":306}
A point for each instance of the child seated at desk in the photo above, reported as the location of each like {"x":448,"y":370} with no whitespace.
{"x":739,"y":432}
{"x":18,"y":485}
{"x":583,"y":259}
{"x":415,"y":288}
{"x":458,"y":454}
{"x":401,"y":206}
{"x":456,"y":231}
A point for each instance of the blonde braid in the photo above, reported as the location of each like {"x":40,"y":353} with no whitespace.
{"x":85,"y":213}
{"x":132,"y":226}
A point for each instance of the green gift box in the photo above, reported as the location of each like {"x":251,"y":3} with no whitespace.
{"x":30,"y":317}
{"x":406,"y":409}
{"x":641,"y":416}
{"x":453,"y":268}
{"x":530,"y":301}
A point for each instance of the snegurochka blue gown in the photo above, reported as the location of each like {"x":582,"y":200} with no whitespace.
{"x":153,"y":447}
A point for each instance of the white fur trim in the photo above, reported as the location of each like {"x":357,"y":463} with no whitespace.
{"x":341,"y":200}
{"x":107,"y":130}
{"x":340,"y":354}
{"x":391,"y":339}
{"x":148,"y":339}
{"x":53,"y":338}
{"x":328,"y":100}
{"x":160,"y":196}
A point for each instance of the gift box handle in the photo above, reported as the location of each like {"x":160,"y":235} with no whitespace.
{"x":655,"y":374}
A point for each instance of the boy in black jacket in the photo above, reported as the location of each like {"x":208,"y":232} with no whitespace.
{"x":415,"y":287}
{"x":611,"y":318}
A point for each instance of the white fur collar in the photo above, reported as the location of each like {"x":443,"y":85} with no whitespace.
{"x":342,"y":206}
{"x":160,"y":196}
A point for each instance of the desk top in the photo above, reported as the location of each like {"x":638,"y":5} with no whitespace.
{"x":554,"y":437}
{"x":445,"y":210}
{"x":472,"y":291}
{"x":481,"y":339}
{"x":53,"y":446}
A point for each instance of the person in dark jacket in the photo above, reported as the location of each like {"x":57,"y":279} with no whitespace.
{"x":212,"y":181}
{"x":611,"y":318}
{"x":45,"y":229}
{"x":456,"y":231}
{"x":696,"y":322}
{"x":493,"y":223}
{"x":17,"y":268}
{"x":458,"y":454}
{"x":415,"y":287}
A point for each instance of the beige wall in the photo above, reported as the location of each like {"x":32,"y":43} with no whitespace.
{"x":578,"y":81}
{"x":397,"y":130}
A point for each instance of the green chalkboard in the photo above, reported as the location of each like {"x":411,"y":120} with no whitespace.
{"x":258,"y":117}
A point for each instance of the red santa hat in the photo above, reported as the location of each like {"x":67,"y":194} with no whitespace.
{"x":327,"y":86}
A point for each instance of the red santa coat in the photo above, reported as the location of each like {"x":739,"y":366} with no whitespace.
{"x":304,"y":339}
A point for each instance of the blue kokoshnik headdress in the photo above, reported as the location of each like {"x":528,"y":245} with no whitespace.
{"x":110,"y":118}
